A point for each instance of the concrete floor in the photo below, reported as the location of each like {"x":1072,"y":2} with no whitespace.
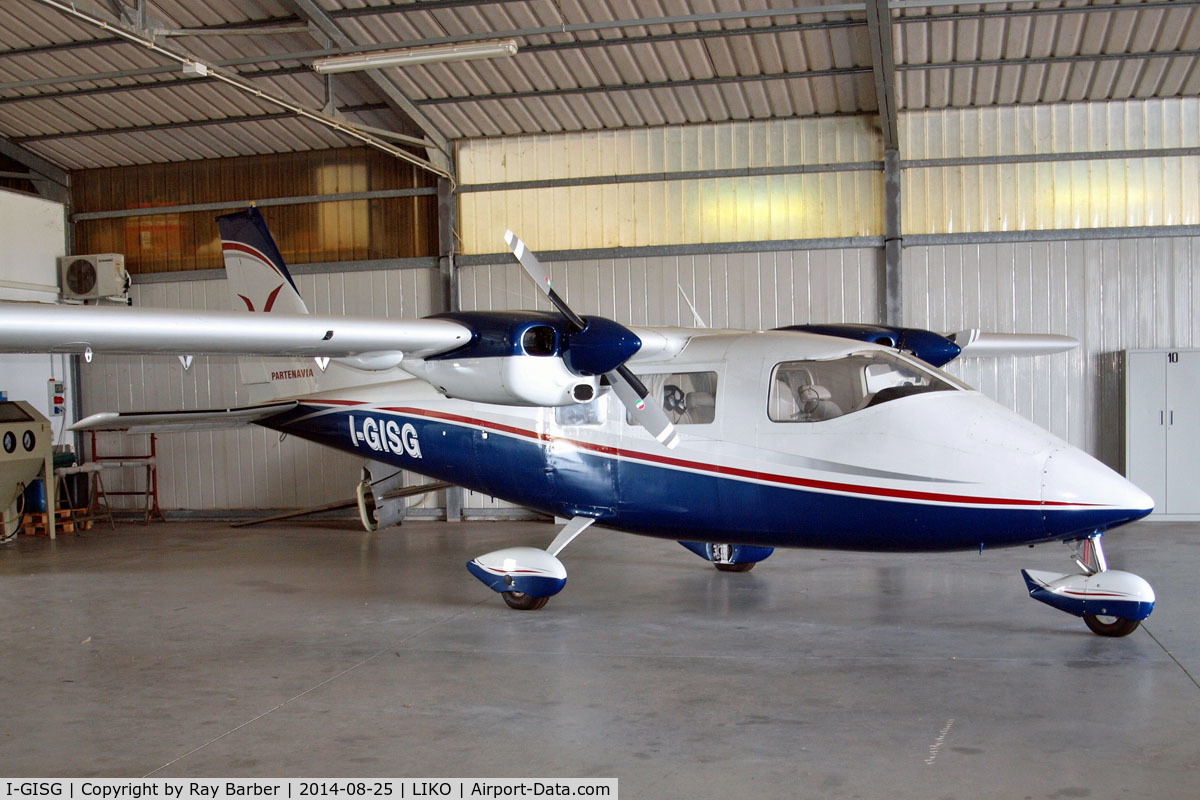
{"x":193,"y":649}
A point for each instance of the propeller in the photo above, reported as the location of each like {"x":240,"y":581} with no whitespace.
{"x":629,"y":388}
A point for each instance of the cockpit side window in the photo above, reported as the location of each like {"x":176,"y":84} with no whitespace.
{"x":814,"y":391}
{"x":688,"y":398}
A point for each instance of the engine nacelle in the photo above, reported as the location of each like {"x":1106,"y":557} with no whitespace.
{"x":521,"y":380}
{"x":1110,"y":593}
{"x":527,"y":358}
{"x":520,"y":569}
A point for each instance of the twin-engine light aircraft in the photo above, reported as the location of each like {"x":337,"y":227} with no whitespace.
{"x":821,"y":436}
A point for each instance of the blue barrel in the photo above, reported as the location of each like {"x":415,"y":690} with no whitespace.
{"x":35,"y":497}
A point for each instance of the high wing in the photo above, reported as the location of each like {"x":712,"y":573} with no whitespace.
{"x":41,"y":328}
{"x":983,"y":344}
{"x":938,"y":348}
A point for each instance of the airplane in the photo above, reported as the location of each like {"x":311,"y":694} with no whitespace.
{"x":844,"y":437}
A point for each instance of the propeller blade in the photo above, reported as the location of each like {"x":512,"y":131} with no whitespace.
{"x":633,"y":395}
{"x":629,"y":388}
{"x":541,"y":277}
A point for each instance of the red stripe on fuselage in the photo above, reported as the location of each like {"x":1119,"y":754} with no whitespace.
{"x":787,"y":480}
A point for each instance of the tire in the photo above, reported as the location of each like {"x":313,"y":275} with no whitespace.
{"x":1110,"y":626}
{"x":523,"y":602}
{"x":743,"y":567}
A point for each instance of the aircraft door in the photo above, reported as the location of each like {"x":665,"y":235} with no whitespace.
{"x":742,"y":501}
{"x":659,"y":487}
{"x":582,"y":478}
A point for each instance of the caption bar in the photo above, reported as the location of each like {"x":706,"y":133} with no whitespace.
{"x":295,"y":788}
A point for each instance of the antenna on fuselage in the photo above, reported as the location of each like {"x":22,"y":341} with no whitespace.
{"x":700,"y":323}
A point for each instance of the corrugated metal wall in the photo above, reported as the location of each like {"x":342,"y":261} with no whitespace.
{"x":1111,"y":295}
{"x":665,"y":212}
{"x":398,"y":227}
{"x":1083,"y":193}
{"x":1067,"y":194}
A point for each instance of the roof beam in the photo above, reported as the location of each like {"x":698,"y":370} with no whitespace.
{"x":184,"y":58}
{"x":1034,"y":61}
{"x":190,"y":123}
{"x":544,"y":30}
{"x":879,"y":34}
{"x":1029,"y":12}
{"x":306,"y":55}
{"x":51,"y":181}
{"x":434,"y":5}
{"x":633,"y":87}
{"x":135,"y":87}
{"x":439,"y":151}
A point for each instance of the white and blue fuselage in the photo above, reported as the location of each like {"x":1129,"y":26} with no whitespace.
{"x":935,"y":470}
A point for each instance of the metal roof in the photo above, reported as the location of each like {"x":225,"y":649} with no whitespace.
{"x":102,"y":85}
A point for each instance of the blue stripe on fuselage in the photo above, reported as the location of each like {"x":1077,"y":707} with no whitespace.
{"x":672,"y":503}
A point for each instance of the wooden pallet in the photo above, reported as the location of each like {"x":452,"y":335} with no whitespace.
{"x":35,"y":524}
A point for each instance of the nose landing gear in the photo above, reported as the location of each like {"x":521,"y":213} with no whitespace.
{"x":1111,"y":602}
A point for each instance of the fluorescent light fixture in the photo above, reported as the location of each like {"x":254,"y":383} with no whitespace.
{"x":415,"y":55}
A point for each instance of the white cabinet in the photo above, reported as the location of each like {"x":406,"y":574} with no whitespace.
{"x":1162,"y":428}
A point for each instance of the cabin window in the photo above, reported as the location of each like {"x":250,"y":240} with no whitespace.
{"x":814,"y":391}
{"x":591,"y":413}
{"x":688,"y":398}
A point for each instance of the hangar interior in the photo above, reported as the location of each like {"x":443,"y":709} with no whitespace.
{"x":1014,"y":167}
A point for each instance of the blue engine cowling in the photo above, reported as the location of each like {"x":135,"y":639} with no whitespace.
{"x":600,"y":347}
{"x":930,"y":347}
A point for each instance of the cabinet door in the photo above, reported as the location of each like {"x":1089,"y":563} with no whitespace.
{"x":1145,"y":424}
{"x":1183,"y":432}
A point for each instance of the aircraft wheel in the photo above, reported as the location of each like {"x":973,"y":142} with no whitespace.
{"x":524,"y":602}
{"x":1110,"y":626}
{"x":743,"y":567}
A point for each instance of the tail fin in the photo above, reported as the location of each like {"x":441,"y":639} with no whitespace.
{"x":258,"y":278}
{"x":260,"y":283}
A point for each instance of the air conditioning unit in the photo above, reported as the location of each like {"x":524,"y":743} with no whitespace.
{"x":90,"y":277}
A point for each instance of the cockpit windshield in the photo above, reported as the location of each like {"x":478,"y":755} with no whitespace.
{"x":812,"y":391}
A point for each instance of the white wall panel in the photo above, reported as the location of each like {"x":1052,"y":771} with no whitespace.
{"x":680,"y":211}
{"x":738,"y":290}
{"x":1094,"y":193}
{"x":32,"y":236}
{"x":1111,"y":295}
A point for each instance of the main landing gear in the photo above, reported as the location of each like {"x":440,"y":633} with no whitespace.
{"x":1111,"y":602}
{"x":730,"y":557}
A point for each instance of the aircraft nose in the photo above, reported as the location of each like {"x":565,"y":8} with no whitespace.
{"x":1081,"y":495}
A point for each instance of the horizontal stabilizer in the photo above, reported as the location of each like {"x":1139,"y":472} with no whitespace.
{"x":177,"y":421}
{"x":978,"y":344}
